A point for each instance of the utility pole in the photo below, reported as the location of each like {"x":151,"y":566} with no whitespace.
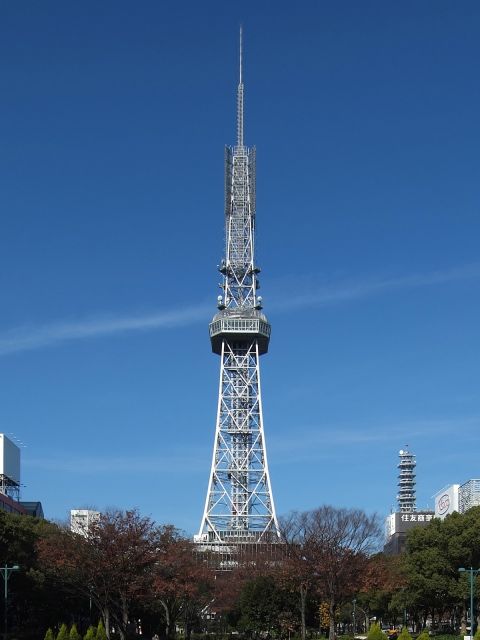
{"x":473,"y":574}
{"x":6,"y":573}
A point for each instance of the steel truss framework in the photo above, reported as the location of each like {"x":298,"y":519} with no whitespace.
{"x":9,"y":487}
{"x":239,"y":507}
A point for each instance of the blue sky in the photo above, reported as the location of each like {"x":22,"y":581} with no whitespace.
{"x":113,"y":118}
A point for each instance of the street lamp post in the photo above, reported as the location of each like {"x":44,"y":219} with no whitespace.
{"x":473,"y":573}
{"x":6,"y":573}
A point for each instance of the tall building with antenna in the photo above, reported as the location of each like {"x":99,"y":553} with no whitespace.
{"x":406,"y":482}
{"x":239,"y":508}
{"x":398,"y":524}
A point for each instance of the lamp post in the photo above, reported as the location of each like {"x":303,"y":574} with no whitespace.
{"x":473,"y":573}
{"x":355,"y":607}
{"x":6,"y":573}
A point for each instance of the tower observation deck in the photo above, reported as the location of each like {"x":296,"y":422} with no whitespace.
{"x":239,"y":508}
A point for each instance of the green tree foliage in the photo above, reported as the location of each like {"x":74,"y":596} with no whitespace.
{"x":101,"y":633}
{"x":382,"y":593}
{"x":34,"y":603}
{"x":424,"y":635}
{"x":63,"y":633}
{"x":375,"y":633}
{"x":49,"y":634}
{"x":74,"y":635}
{"x":434,"y":555}
{"x":477,"y":634}
{"x":260,"y":606}
{"x":404,"y":635}
{"x":91,"y":633}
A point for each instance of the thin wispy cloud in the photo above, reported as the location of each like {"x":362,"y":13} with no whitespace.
{"x":28,"y":338}
{"x":334,"y":292}
{"x":322,"y":440}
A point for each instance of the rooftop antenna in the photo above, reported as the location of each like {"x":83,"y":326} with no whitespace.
{"x":240,"y":94}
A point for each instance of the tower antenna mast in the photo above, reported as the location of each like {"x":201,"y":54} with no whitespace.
{"x":240,"y":93}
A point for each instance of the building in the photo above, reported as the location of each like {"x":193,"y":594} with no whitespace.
{"x":9,"y":468}
{"x":446,"y":501}
{"x":457,"y":497}
{"x":11,"y":506}
{"x":33,"y":508}
{"x":10,"y":481}
{"x":398,"y":524}
{"x":469,"y":495}
{"x":239,"y":510}
{"x":406,"y":482}
{"x":82,"y":519}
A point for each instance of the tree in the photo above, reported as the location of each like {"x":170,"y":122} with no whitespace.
{"x":376,"y":633}
{"x":382,"y":593}
{"x":49,"y":634}
{"x":74,"y":635}
{"x":111,"y":564}
{"x":91,"y":633}
{"x":433,"y":555}
{"x":181,"y":583}
{"x":404,"y":635}
{"x":295,"y":570}
{"x":261,"y":606}
{"x":34,"y":602}
{"x":63,"y":633}
{"x":100,"y":635}
{"x":329,"y":550}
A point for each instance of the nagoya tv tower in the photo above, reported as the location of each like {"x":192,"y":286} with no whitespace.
{"x":239,"y":507}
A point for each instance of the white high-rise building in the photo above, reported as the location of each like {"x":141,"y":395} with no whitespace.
{"x":82,"y":519}
{"x":469,"y":495}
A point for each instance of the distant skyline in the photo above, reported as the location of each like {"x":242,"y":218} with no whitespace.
{"x":113,"y":122}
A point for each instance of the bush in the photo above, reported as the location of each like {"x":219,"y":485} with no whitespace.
{"x":477,"y":634}
{"x":375,"y":633}
{"x":424,"y":635}
{"x":101,"y":633}
{"x":63,"y":633}
{"x":49,"y":634}
{"x":404,"y":635}
{"x":91,"y":633}
{"x":74,"y":635}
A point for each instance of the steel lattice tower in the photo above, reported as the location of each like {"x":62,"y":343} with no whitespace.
{"x":239,"y":506}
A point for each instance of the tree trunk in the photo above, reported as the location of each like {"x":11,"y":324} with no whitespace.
{"x":106,"y":621}
{"x":331,"y":632}
{"x":303,"y":600}
{"x":168,"y":620}
{"x":463,"y":622}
